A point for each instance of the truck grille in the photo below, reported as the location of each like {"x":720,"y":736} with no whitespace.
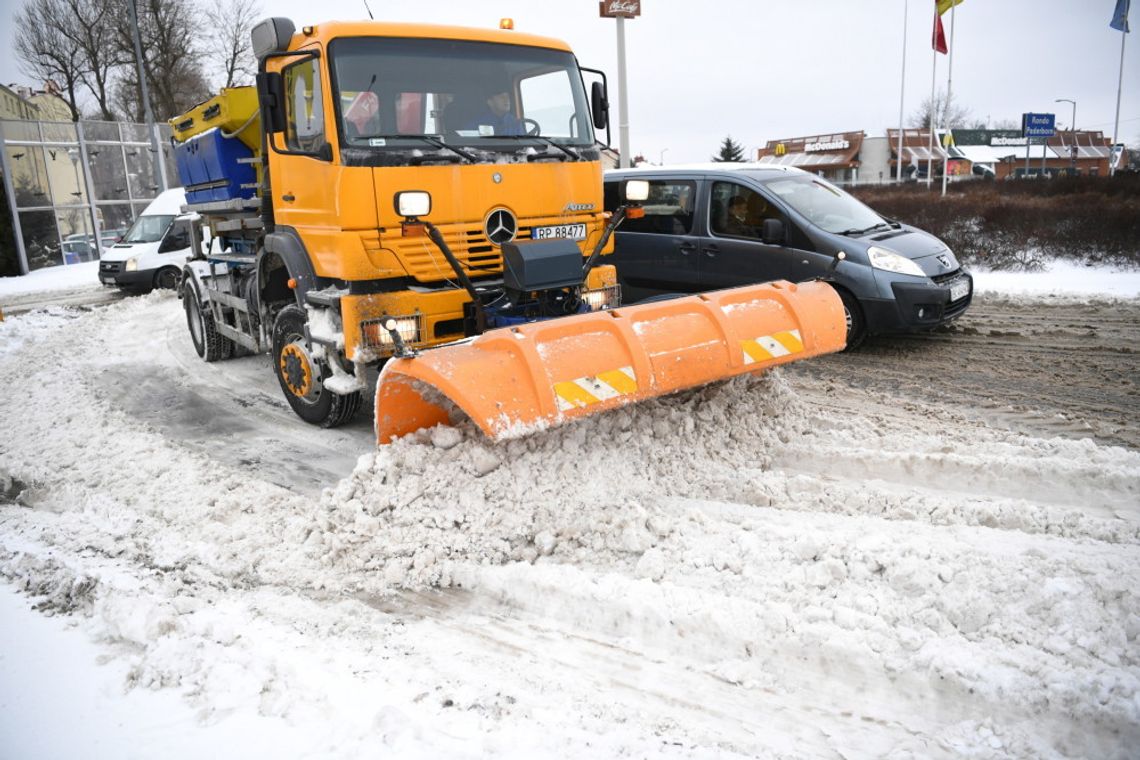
{"x":470,"y":245}
{"x":110,"y":267}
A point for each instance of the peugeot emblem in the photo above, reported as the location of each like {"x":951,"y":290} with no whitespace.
{"x":496,"y":178}
{"x":944,"y":260}
{"x":501,"y":226}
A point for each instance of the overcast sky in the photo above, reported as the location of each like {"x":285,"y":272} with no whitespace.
{"x":762,"y":69}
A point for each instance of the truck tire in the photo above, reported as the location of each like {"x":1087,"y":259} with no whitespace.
{"x":211,"y":345}
{"x":856,"y":322}
{"x":301,"y":376}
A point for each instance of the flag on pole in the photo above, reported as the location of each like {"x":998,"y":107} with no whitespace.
{"x":1120,"y":16}
{"x":945,"y":5}
{"x":938,"y":40}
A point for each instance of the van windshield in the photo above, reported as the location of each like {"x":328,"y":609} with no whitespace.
{"x":824,"y":204}
{"x":465,"y":93}
{"x":148,"y":229}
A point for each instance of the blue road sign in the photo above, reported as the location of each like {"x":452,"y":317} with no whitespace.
{"x":1038,"y":124}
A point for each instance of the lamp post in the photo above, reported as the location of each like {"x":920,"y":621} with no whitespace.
{"x":1072,"y":128}
{"x":661,"y":158}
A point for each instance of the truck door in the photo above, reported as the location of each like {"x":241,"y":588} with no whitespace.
{"x":732,"y":252}
{"x":302,"y":175}
{"x":659,"y":250}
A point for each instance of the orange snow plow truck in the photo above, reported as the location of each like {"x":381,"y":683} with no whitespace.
{"x":427,"y":200}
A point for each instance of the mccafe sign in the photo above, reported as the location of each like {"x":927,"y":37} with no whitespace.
{"x":619,"y":8}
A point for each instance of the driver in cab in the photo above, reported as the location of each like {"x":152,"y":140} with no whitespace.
{"x":496,"y":118}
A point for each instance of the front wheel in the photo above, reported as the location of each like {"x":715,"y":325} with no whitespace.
{"x":166,"y":279}
{"x":856,"y":322}
{"x":302,"y":377}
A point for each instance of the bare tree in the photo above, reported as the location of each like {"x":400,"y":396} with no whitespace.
{"x":947,"y":113}
{"x":90,"y":27}
{"x":45,"y":51}
{"x":171,"y":60}
{"x":229,"y":46}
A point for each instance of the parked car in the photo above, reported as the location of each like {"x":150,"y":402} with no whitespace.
{"x":788,"y":225}
{"x":152,"y":252}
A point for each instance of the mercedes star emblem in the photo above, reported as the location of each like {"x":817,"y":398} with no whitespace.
{"x":501,"y":226}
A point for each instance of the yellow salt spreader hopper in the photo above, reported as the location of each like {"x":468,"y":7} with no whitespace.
{"x":514,"y":381}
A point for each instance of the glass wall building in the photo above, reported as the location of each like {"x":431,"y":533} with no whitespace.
{"x":71,"y":188}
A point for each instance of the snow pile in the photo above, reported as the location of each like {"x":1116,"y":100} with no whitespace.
{"x":589,"y":491}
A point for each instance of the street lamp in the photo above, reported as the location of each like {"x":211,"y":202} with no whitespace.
{"x":1072,"y":128}
{"x":661,"y":158}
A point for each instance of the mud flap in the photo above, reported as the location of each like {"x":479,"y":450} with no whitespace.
{"x":514,"y":381}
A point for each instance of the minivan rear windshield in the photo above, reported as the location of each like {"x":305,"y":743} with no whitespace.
{"x":148,"y":229}
{"x":824,"y":204}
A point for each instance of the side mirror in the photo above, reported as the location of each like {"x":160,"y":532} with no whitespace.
{"x":772,"y":232}
{"x":599,"y":106}
{"x":271,"y":95}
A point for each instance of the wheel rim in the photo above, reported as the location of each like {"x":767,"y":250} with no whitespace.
{"x":167,"y":280}
{"x":295,"y":367}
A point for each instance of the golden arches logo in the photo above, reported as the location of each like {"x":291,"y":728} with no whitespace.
{"x":781,"y":149}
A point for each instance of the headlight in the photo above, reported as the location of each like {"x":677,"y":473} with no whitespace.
{"x":890,"y":261}
{"x":602,"y":298}
{"x":413,"y":203}
{"x":132,"y":265}
{"x":375,"y":333}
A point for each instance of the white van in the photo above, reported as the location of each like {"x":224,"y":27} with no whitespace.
{"x":153,"y":251}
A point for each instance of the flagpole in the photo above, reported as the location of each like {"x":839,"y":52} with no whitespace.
{"x":902,"y":94}
{"x":1116,"y":123}
{"x":933,"y":108}
{"x":949,"y":83}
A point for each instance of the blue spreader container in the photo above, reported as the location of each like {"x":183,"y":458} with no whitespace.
{"x":209,"y":168}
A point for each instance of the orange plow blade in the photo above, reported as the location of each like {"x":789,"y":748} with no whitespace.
{"x":513,"y":381}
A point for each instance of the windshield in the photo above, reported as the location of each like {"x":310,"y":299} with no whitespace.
{"x":824,"y":204}
{"x":480,"y":94}
{"x":148,"y":229}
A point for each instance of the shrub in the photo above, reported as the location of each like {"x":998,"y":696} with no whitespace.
{"x":1017,"y":224}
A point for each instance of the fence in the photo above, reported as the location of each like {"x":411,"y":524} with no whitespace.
{"x":72,"y":188}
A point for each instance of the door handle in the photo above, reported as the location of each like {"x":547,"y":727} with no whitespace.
{"x":288,"y":197}
{"x":711,"y":251}
{"x":687,"y":248}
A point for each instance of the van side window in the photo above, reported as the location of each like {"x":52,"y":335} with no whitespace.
{"x":739,"y":211}
{"x":668,"y":210}
{"x":177,"y":238}
{"x":304,"y":109}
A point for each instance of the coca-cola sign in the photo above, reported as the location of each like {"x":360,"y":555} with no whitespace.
{"x":619,"y":8}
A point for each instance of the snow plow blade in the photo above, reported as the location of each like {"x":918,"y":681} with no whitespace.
{"x":514,"y":381}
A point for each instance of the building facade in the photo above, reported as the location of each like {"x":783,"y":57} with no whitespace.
{"x":834,"y":156}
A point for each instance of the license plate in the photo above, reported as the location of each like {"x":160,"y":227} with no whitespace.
{"x":959,"y":290}
{"x":568,"y":231}
{"x":106,"y":280}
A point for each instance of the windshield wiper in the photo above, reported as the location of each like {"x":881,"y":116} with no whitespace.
{"x":546,"y":140}
{"x":865,"y":230}
{"x":429,"y":139}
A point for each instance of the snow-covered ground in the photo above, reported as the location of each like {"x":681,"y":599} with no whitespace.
{"x":764,"y":568}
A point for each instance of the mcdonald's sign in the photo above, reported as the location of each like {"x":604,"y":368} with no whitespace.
{"x":781,"y":149}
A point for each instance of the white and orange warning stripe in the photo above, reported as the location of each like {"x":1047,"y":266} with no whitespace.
{"x":585,"y":391}
{"x":768,"y":347}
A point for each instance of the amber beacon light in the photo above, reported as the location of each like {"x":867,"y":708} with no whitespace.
{"x":506,"y":23}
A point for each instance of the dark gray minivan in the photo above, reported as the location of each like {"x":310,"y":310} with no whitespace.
{"x":717,"y":226}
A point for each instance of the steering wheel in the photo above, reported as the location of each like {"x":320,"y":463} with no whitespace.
{"x":532,"y":128}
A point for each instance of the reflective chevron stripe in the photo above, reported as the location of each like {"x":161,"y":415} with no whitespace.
{"x":584,"y":391}
{"x":768,"y":347}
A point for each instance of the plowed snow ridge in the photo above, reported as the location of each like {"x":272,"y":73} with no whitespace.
{"x":739,"y":570}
